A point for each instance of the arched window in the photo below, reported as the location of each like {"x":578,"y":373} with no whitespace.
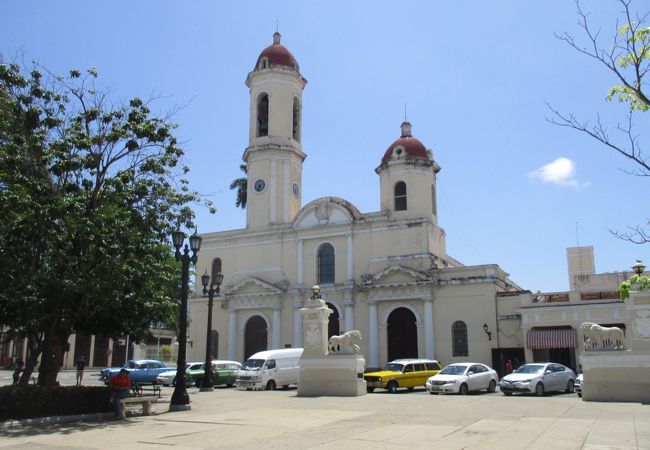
{"x":216,"y":268}
{"x":263,"y":115}
{"x":326,"y":264}
{"x":459,"y":339}
{"x":400,"y":196}
{"x":296,"y":119}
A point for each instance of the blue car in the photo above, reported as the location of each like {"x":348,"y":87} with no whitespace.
{"x":140,"y":370}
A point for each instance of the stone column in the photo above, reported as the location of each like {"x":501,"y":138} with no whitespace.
{"x":349,"y":311}
{"x":297,"y":321}
{"x":275,"y":325}
{"x":300,"y":263}
{"x":350,"y":257}
{"x":373,"y":357}
{"x":232,"y":335}
{"x":429,"y":347}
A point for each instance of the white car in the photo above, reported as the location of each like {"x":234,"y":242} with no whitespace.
{"x":539,"y":378}
{"x":578,"y":385}
{"x":463,"y":378}
{"x":168,"y":378}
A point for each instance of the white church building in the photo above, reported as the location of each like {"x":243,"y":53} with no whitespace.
{"x":385,"y":273}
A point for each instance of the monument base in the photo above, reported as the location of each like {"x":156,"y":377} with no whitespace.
{"x":616,"y":377}
{"x":332,"y":375}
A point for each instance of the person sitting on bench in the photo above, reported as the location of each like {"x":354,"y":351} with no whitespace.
{"x":120,"y":386}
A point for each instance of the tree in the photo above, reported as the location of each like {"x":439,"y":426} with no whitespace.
{"x":90,"y":193}
{"x":241,"y":184}
{"x":627,"y":57}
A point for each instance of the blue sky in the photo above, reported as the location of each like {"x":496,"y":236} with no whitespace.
{"x":514,"y":189}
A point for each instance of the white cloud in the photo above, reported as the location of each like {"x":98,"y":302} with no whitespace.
{"x":560,"y":172}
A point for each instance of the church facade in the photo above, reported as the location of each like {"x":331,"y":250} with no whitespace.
{"x":385,"y":273}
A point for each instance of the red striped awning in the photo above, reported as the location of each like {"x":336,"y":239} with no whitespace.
{"x":550,"y":338}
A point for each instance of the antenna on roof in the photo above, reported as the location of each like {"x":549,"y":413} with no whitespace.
{"x":405,"y":120}
{"x":277,"y":25}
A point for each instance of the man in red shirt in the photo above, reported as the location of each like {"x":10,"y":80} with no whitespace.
{"x":120,"y":386}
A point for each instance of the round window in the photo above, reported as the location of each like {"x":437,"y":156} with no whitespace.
{"x":259,"y":185}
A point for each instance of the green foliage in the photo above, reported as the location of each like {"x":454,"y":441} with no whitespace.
{"x":635,"y":282}
{"x":241,"y":186}
{"x":29,"y":401}
{"x":90,"y":192}
{"x":634,"y":56}
{"x":166,"y":353}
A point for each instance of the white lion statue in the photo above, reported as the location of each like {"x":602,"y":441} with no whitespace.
{"x":605,"y":336}
{"x":345,"y":343}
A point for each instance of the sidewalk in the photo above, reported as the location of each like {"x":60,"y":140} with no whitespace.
{"x":235,"y":419}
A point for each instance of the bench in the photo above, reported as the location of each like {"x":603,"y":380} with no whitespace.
{"x":144,"y":401}
{"x":138,"y":387}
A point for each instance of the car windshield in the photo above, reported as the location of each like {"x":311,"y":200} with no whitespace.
{"x":253,"y":364}
{"x":530,"y":368}
{"x":453,"y":370}
{"x":394,"y":367}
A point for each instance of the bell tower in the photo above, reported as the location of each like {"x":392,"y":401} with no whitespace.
{"x":274,"y":154}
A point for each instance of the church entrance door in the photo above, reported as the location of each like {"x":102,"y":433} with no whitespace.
{"x":333,"y":328}
{"x":255,"y":336}
{"x":402,"y":335}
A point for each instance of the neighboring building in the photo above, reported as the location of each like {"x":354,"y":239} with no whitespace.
{"x":551,"y":321}
{"x":385,"y":273}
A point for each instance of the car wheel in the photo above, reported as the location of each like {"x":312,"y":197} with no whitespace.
{"x":463,"y":389}
{"x":230,"y":384}
{"x":433,"y":393}
{"x":370,"y":390}
{"x":392,"y":386}
{"x":410,"y":388}
{"x":492,"y":387}
{"x":539,"y":390}
{"x":507,"y":394}
{"x":570,"y":386}
{"x":270,"y":386}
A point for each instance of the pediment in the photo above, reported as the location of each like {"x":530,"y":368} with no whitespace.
{"x":253,"y":286}
{"x":395,"y":275}
{"x":326,"y":211}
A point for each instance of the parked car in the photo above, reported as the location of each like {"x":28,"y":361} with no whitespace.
{"x":269,"y":369}
{"x":539,"y":378}
{"x":402,"y":373}
{"x":140,"y":370}
{"x":225,"y":372}
{"x":463,"y":378}
{"x":578,"y":385}
{"x":168,"y":378}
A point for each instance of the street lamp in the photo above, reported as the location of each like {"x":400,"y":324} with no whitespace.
{"x":638,"y":268}
{"x":207,"y":383}
{"x":487,"y":331}
{"x":180,"y":398}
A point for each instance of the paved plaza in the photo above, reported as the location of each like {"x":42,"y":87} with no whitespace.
{"x":236,"y":419}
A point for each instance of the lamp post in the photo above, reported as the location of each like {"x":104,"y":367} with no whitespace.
{"x":487,"y":331}
{"x":638,"y":268}
{"x":208,"y":382}
{"x":180,"y":398}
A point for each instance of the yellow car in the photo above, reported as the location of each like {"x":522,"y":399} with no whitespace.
{"x":402,"y":373}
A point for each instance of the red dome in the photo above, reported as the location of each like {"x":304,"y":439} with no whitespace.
{"x":276,"y":55}
{"x":408,"y":144}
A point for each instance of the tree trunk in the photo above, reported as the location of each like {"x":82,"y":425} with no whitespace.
{"x":34,"y":348}
{"x":52,"y":355}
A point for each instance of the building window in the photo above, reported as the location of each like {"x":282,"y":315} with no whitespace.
{"x":216,"y":268}
{"x":263,"y":115}
{"x":326,"y":264}
{"x":459,"y":339}
{"x":400,"y":196}
{"x":296,"y":119}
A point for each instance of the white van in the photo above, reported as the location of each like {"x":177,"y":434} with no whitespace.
{"x":269,"y":369}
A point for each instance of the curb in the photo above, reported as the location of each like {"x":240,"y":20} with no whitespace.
{"x":54,"y":420}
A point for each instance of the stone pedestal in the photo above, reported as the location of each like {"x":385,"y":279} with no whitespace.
{"x":622,"y":376}
{"x":322,"y":374}
{"x":334,"y":375}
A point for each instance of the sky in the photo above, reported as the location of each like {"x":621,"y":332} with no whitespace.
{"x":474,"y":78}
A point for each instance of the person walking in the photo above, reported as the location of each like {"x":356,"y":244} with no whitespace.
{"x":18,"y":367}
{"x":81,"y":365}
{"x":120,"y":385}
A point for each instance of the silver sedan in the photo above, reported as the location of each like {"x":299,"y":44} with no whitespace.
{"x":539,"y":378}
{"x":462,"y":378}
